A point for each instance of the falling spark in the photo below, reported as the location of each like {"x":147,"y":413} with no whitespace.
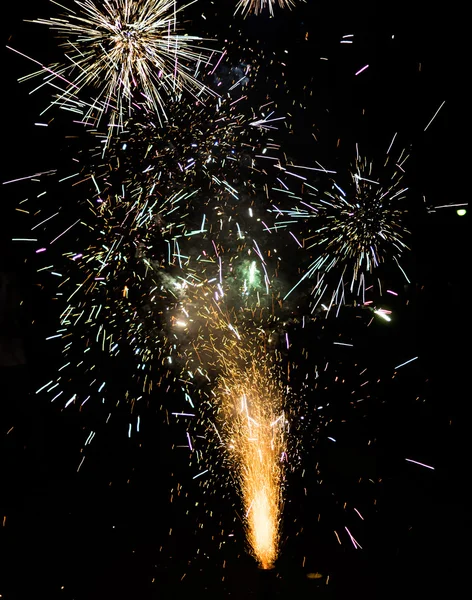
{"x":407,"y":362}
{"x":435,"y":114}
{"x":363,"y":69}
{"x":420,"y":464}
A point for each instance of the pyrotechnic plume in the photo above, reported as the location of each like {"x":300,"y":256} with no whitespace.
{"x":122,"y":54}
{"x":246,"y":7}
{"x":241,"y":400}
{"x":254,"y":431}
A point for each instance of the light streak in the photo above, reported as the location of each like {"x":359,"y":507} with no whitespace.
{"x":435,"y":114}
{"x":355,"y":543}
{"x":361,"y":70}
{"x":407,"y":362}
{"x":420,"y":464}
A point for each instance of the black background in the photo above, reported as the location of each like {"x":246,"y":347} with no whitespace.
{"x":104,"y":532}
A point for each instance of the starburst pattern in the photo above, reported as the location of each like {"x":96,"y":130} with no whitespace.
{"x":247,"y":7}
{"x":130,"y":53}
{"x":353,"y":229}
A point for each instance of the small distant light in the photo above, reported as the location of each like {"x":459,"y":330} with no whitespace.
{"x":461,"y":212}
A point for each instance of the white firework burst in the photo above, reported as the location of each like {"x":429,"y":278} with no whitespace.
{"x":129,"y":53}
{"x":247,"y":7}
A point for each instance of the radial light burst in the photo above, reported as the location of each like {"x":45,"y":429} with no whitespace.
{"x":129,"y":52}
{"x":356,"y":227}
{"x":247,"y":7}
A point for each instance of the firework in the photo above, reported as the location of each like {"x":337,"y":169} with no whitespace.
{"x":245,"y":408}
{"x":254,"y":428}
{"x":130,"y":53}
{"x":257,"y":6}
{"x":171,"y":258}
{"x":352,"y":230}
{"x":134,"y":259}
{"x":173,"y":277}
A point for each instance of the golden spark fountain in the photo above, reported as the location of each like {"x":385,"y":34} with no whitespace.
{"x":254,"y":428}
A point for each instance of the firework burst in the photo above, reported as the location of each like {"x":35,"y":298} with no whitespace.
{"x":247,"y":7}
{"x":351,"y":230}
{"x":130,"y":53}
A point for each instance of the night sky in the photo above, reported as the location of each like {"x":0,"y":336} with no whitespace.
{"x":110,"y":530}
